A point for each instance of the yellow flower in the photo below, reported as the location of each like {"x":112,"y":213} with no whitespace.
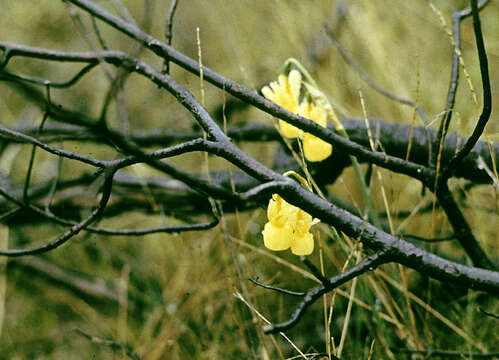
{"x":286,"y":93}
{"x":288,"y":227}
{"x":314,"y":148}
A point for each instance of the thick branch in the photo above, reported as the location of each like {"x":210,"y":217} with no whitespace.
{"x":462,"y":229}
{"x":248,"y":96}
{"x":392,"y":136}
{"x":404,"y":252}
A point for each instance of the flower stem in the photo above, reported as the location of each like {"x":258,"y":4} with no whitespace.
{"x":289,"y":63}
{"x":302,"y":180}
{"x":320,"y":99}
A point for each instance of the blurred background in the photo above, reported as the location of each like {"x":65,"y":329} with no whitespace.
{"x":173,"y":296}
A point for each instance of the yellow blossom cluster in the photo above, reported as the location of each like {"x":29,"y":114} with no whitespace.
{"x":286,"y":93}
{"x":288,"y":227}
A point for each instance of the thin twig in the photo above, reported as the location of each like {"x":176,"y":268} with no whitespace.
{"x":487,"y":95}
{"x":378,"y":88}
{"x":100,"y":38}
{"x":111,"y":343}
{"x":33,"y":152}
{"x":368,"y":264}
{"x":317,"y":273}
{"x":278,"y":289}
{"x":169,"y":33}
{"x":55,"y":84}
{"x":168,"y":229}
{"x":457,"y":17}
{"x":74,"y":230}
{"x":495,"y":316}
{"x":53,"y":188}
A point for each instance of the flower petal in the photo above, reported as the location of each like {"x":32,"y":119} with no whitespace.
{"x":316,"y":149}
{"x":303,"y":245}
{"x":268,"y":93}
{"x":303,"y":223}
{"x":283,"y":81}
{"x":294,"y":80}
{"x":277,"y":238}
{"x":276,"y":88}
{"x":275,"y":212}
{"x":289,"y":212}
{"x":289,"y":130}
{"x":319,"y":115}
{"x":274,"y":207}
{"x":304,"y":109}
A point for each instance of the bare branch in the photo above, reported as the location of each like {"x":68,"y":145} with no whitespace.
{"x":382,"y":91}
{"x":487,"y":96}
{"x":280,"y":290}
{"x":248,"y":96}
{"x":74,"y":230}
{"x":368,"y":264}
{"x":169,"y":33}
{"x":457,"y":17}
